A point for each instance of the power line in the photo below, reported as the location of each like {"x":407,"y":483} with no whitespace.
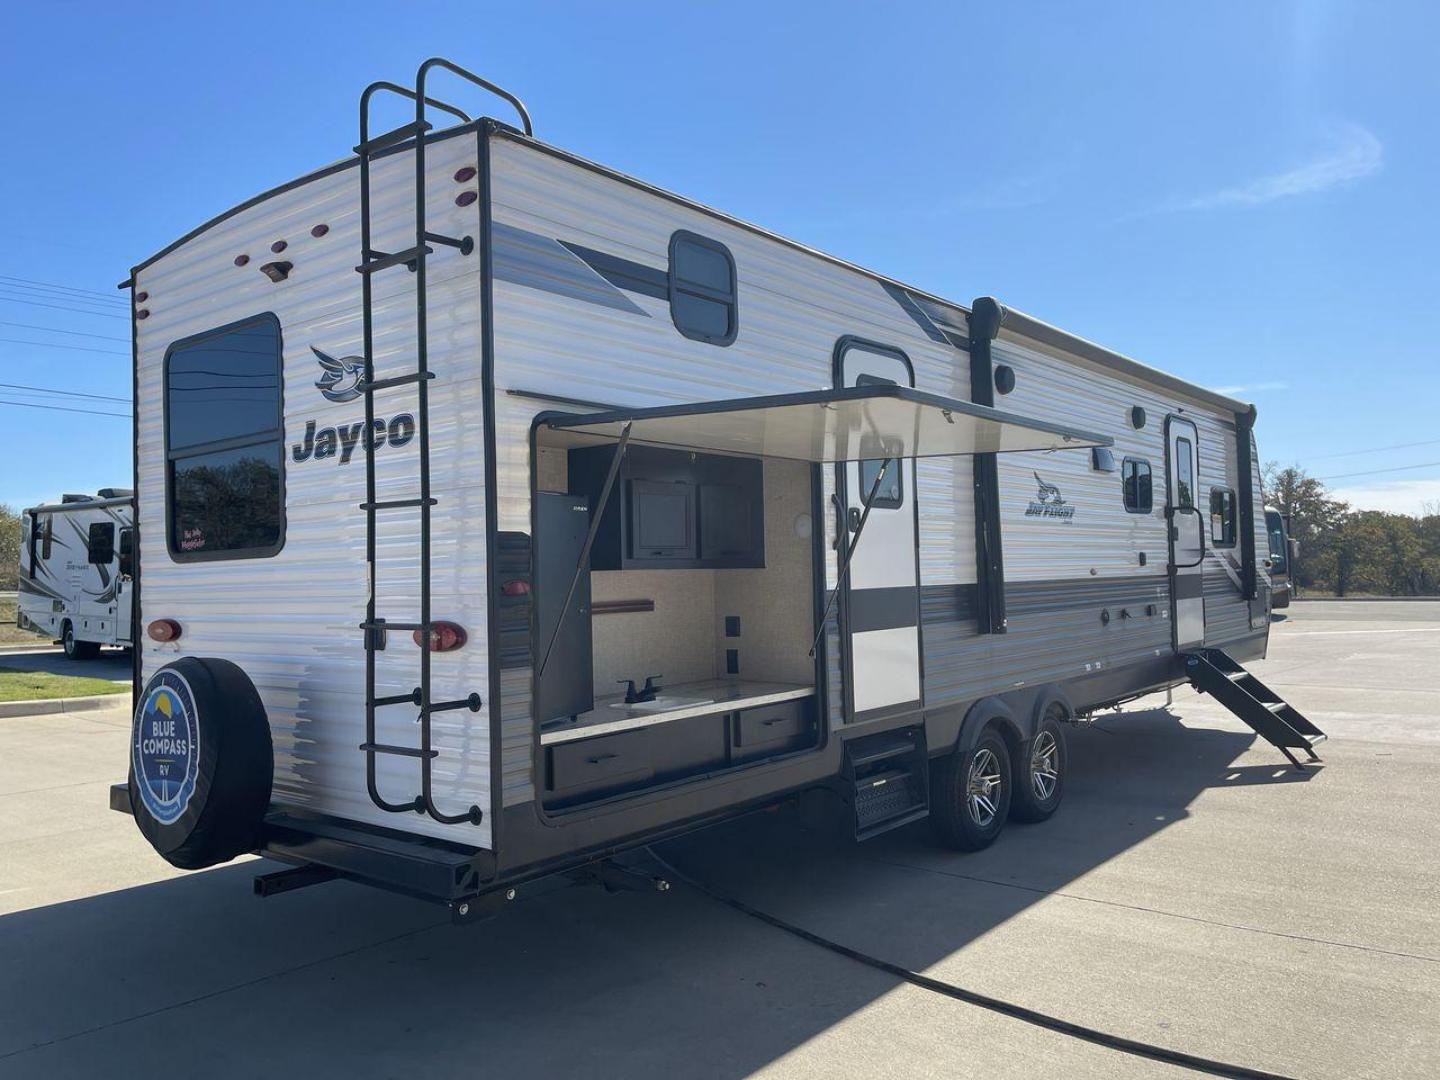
{"x":56,"y":345}
{"x":1377,"y":472}
{"x":52,"y":293}
{"x":60,"y":307}
{"x":57,"y":330}
{"x":1376,"y":449}
{"x":64,"y":393}
{"x":62,"y":408}
{"x":65,"y":288}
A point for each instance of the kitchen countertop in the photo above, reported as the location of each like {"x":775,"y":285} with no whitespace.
{"x":677,"y":702}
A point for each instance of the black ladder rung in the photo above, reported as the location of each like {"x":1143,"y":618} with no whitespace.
{"x":394,"y":504}
{"x":399,"y":751}
{"x":472,"y":703}
{"x":466,"y":244}
{"x":384,"y":262}
{"x":412,"y":698}
{"x":395,"y":380}
{"x":390,"y":138}
{"x":386,"y":624}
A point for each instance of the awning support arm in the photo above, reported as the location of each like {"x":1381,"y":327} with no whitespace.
{"x":850,"y":552}
{"x":595,"y":515}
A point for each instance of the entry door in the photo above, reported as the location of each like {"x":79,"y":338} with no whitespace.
{"x":1187,"y":532}
{"x":882,"y":595}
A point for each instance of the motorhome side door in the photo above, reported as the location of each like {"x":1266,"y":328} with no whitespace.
{"x":1187,"y":532}
{"x":881,"y":613}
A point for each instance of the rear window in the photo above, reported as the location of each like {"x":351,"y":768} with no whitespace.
{"x":224,"y":441}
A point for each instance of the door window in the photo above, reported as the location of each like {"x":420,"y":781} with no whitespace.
{"x":1184,"y":472}
{"x":1222,"y":517}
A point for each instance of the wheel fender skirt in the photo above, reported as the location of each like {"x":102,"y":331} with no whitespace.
{"x":979,"y":718}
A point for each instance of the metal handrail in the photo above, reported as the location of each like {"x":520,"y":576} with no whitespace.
{"x":484,"y":84}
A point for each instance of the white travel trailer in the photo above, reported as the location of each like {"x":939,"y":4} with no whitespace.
{"x":76,"y":571}
{"x":501,"y":511}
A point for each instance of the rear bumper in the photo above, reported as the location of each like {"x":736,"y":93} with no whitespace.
{"x":399,"y":862}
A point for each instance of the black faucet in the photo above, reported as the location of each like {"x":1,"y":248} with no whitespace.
{"x":645,"y":693}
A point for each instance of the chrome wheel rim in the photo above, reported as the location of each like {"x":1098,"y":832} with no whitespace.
{"x":1045,"y":766}
{"x":982,"y":787}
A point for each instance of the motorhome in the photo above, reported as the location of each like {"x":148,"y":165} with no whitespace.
{"x":76,"y":571}
{"x":501,"y":511}
{"x":1282,"y":552}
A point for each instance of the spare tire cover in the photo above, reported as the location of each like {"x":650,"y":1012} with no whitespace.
{"x":201,"y":762}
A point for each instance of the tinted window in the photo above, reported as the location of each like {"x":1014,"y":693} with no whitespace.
{"x":225,"y":442}
{"x":1184,"y":472}
{"x":1222,"y":517}
{"x":1275,"y":528}
{"x":702,"y":289}
{"x":101,"y":542}
{"x":891,"y":494}
{"x":1135,"y":482}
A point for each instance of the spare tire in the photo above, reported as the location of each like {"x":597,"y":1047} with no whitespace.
{"x":201,"y":762}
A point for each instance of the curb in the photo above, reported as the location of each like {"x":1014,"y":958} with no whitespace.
{"x":1364,"y":599}
{"x":56,"y":705}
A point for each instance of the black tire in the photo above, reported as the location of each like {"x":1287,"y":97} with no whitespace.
{"x":77,"y":650}
{"x":960,"y":821}
{"x":201,"y":763}
{"x":1038,"y":774}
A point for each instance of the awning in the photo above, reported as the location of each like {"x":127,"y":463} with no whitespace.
{"x":854,"y":423}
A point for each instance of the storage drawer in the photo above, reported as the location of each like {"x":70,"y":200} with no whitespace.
{"x":605,"y":763}
{"x":770,"y":726}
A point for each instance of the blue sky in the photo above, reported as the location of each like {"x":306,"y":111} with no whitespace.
{"x":1241,"y":193}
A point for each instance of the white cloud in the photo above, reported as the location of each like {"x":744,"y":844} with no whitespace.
{"x":1352,"y":153}
{"x":1251,"y":388}
{"x":1394,"y":496}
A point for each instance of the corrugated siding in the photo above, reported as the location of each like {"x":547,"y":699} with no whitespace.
{"x":291,"y":621}
{"x":793,"y":309}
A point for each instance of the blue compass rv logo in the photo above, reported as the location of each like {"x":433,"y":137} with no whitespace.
{"x":341,"y":376}
{"x":166,"y":750}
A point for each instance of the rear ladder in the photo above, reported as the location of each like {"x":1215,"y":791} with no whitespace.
{"x":1214,"y":672}
{"x":408,"y":136}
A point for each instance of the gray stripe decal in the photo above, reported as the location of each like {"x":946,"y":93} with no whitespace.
{"x":882,"y":609}
{"x":624,"y":273}
{"x":937,"y":323}
{"x":538,"y":262}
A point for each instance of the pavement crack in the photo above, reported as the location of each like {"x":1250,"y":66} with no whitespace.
{"x":1157,"y":911}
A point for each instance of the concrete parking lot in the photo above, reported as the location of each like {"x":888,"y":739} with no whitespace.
{"x":1193,"y":893}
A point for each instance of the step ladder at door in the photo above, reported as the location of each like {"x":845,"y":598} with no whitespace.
{"x":376,"y":629}
{"x":1215,"y":672}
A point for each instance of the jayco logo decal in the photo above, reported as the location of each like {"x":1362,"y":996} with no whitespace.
{"x":166,"y":750}
{"x":339,"y":382}
{"x":1049,"y":503}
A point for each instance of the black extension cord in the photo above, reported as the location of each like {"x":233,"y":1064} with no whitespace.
{"x":970,"y":997}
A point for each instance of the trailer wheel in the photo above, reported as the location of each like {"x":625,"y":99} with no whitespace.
{"x":201,"y":762}
{"x":77,"y":650}
{"x":970,"y":793}
{"x":1039,"y":780}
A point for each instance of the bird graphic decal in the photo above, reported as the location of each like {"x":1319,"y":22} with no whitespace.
{"x":341,"y":378}
{"x":1048,"y":493}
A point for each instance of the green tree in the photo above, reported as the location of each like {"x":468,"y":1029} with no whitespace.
{"x":9,"y":547}
{"x":1315,"y":519}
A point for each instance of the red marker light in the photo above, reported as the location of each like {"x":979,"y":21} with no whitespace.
{"x":467,"y":173}
{"x":143,"y":313}
{"x":142,"y":297}
{"x":319,"y":230}
{"x":465,"y":198}
{"x":278,"y":246}
{"x":241,"y":260}
{"x":163,"y":630}
{"x":444,"y":636}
